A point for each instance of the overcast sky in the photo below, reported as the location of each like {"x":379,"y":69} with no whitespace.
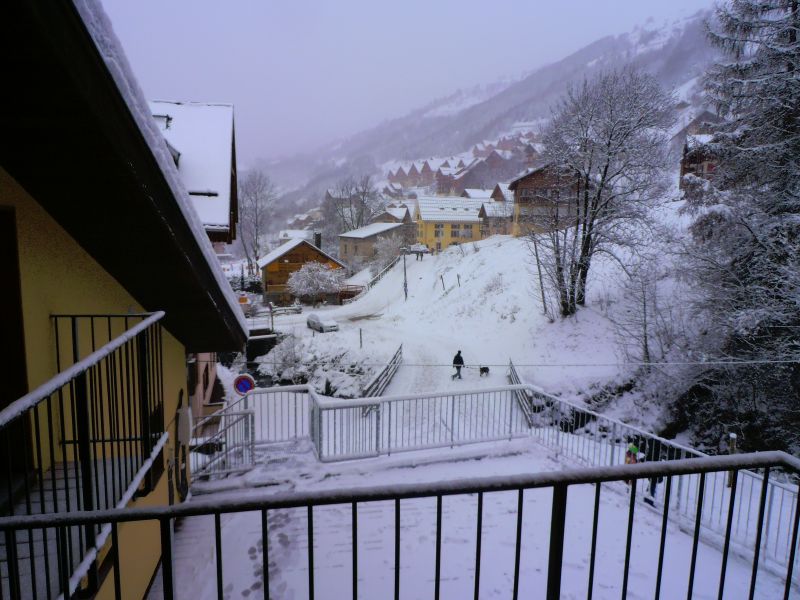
{"x":303,"y":72}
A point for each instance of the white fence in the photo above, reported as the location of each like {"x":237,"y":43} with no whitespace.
{"x":368,"y":427}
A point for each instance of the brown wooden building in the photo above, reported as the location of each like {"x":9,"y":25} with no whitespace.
{"x":285,"y":260}
{"x":543,"y":200}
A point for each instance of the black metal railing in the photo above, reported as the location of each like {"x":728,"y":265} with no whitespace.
{"x":548,"y":581}
{"x":88,"y":439}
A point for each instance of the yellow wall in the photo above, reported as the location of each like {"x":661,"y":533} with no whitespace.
{"x":426,"y":234}
{"x":58,"y":276}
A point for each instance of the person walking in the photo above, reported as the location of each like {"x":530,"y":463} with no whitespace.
{"x":458,"y":362}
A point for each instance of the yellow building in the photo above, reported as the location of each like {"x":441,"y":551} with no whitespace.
{"x":444,"y":221}
{"x":108,"y":281}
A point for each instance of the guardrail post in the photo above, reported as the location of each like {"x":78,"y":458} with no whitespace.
{"x":613,"y":445}
{"x":680,"y":486}
{"x":510,"y":397}
{"x":452,"y":420}
{"x":377,"y":429}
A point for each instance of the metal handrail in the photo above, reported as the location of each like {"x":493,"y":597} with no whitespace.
{"x":380,"y":493}
{"x":31,"y":399}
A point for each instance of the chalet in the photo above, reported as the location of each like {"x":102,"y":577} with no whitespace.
{"x":285,"y":260}
{"x":401,"y":177}
{"x":501,"y":193}
{"x":109,"y":279}
{"x":394,"y":213}
{"x":697,"y":158}
{"x":446,"y":221}
{"x":427,"y":175}
{"x":393,"y":190}
{"x":690,"y":122}
{"x":543,"y":200}
{"x":413,"y":177}
{"x":201,"y":140}
{"x":360,"y":243}
{"x":499,"y":218}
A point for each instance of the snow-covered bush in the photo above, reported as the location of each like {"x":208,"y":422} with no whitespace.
{"x":386,"y":250}
{"x":313,"y":280}
{"x":323,"y":363}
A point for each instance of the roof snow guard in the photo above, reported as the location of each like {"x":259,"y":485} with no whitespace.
{"x":78,"y":135}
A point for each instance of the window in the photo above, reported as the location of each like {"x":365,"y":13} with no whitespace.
{"x":454,"y":230}
{"x":345,"y":250}
{"x":438,"y":245}
{"x":438,"y":230}
{"x":466,"y":232}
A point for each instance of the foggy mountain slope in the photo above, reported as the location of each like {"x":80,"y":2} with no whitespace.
{"x":677,"y":53}
{"x":674,"y":54}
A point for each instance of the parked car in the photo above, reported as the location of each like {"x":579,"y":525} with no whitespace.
{"x":314,"y":321}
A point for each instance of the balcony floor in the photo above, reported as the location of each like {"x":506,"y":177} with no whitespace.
{"x":293,"y":466}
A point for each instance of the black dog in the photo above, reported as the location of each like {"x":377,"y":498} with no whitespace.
{"x":484,"y":371}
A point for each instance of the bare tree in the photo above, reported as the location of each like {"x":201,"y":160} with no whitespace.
{"x":607,"y":149}
{"x":354,"y":202}
{"x":256,"y":196}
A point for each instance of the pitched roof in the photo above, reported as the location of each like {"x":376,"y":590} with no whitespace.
{"x":397,"y":213}
{"x":506,"y":193}
{"x":370,"y":230}
{"x":477,"y":194}
{"x":202,"y":133}
{"x":291,"y":245}
{"x":498,"y":209}
{"x":449,"y":209}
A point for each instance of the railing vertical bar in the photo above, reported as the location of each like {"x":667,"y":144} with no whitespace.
{"x":628,"y":539}
{"x":593,"y":547}
{"x":218,"y":554}
{"x":698,"y":519}
{"x":726,"y":545}
{"x":310,"y":552}
{"x":167,"y":570}
{"x":518,"y":544}
{"x":760,"y":526}
{"x":437,"y":580}
{"x":116,"y":563}
{"x":12,"y":562}
{"x":265,"y":552}
{"x":793,"y":547}
{"x":354,"y":519}
{"x":556,"y":555}
{"x":478,"y":536}
{"x":662,"y":542}
{"x":397,"y":549}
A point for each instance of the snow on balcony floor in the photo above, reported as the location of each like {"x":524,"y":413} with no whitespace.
{"x":293,"y":467}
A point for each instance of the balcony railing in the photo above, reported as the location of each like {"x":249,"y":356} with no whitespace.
{"x":88,"y":439}
{"x":368,"y":427}
{"x":387,"y":505}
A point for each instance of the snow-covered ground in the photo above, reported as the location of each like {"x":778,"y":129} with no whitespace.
{"x":480,"y":298}
{"x":293,"y":467}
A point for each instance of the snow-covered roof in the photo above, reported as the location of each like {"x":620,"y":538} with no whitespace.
{"x":498,"y":209}
{"x":397,"y":213}
{"x":370,"y":230}
{"x":507,"y":193}
{"x":110,"y":49}
{"x":203,"y":135}
{"x":449,"y":208}
{"x":291,"y":245}
{"x":476,"y":194}
{"x":700,"y":139}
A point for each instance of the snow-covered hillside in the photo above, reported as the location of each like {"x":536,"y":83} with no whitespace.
{"x":482,"y":299}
